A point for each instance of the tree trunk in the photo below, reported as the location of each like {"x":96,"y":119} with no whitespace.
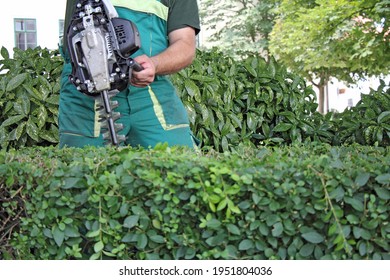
{"x":321,"y":98}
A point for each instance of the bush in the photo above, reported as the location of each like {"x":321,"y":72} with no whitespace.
{"x":229,"y":102}
{"x":368,"y":123}
{"x":29,"y":95}
{"x":249,"y":101}
{"x":297,"y":202}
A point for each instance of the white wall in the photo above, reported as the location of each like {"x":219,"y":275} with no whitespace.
{"x":339,"y":101}
{"x":46,"y":12}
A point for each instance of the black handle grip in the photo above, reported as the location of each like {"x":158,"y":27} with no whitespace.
{"x":135,"y":65}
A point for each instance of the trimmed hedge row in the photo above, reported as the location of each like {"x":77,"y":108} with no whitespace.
{"x":299,"y":202}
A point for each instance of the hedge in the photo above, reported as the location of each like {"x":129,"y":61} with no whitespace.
{"x":311,"y":201}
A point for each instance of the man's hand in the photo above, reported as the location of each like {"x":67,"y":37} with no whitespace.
{"x":146,"y":76}
{"x":179,"y":54}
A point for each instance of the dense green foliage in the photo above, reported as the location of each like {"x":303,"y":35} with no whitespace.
{"x":255,"y":102}
{"x":229,"y":102}
{"x":249,"y":101}
{"x":29,"y":94}
{"x":238,"y":26}
{"x":297,"y":202}
{"x":320,"y":39}
{"x":368,"y":123}
{"x":336,"y":37}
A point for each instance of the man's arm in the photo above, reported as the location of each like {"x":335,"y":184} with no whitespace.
{"x":179,"y":54}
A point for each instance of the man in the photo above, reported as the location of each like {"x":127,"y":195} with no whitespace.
{"x":151,"y":111}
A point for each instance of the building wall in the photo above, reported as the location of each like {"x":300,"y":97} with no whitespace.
{"x":47,"y":14}
{"x":342,"y":96}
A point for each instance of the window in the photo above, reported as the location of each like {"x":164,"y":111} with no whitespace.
{"x":350,"y":102}
{"x":25,"y":33}
{"x":61,"y":23}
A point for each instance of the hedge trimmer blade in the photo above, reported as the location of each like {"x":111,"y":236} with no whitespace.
{"x":107,"y":116}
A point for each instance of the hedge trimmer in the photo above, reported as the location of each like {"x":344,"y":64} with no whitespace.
{"x":100,"y":45}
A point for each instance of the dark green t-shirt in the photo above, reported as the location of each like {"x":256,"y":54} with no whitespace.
{"x":182,"y":13}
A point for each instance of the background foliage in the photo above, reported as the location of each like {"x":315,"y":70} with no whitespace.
{"x":316,"y":39}
{"x":299,"y":202}
{"x":256,"y":102}
{"x":229,"y":101}
{"x":238,"y":26}
{"x":344,"y":39}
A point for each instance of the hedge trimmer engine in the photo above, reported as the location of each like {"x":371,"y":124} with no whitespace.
{"x":100,"y":45}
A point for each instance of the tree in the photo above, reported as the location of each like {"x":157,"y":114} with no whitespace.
{"x":346,"y":39}
{"x":239,"y":26}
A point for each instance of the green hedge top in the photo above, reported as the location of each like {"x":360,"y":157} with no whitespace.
{"x":298,"y":202}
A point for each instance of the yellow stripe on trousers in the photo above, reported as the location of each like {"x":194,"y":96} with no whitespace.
{"x":158,"y":110}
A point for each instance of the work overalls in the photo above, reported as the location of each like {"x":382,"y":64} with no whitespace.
{"x":150,"y":115}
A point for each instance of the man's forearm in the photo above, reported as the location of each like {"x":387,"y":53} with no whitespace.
{"x":173,"y":59}
{"x":179,"y":54}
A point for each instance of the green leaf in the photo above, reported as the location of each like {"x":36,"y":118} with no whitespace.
{"x":58,"y":236}
{"x":382,"y":193}
{"x":250,"y":69}
{"x":142,"y":241}
{"x":20,"y":130}
{"x":92,"y":234}
{"x":131,"y":221}
{"x":362,"y":179}
{"x":222,"y":204}
{"x":213,"y":223}
{"x":306,"y":250}
{"x":313,"y":237}
{"x":32,"y":129}
{"x":282,"y":127}
{"x":277,"y":229}
{"x":71,"y":182}
{"x":98,"y":246}
{"x":52,"y":135}
{"x":271,"y":67}
{"x":233,"y":229}
{"x":355,"y":203}
{"x":95,"y":256}
{"x":53,"y":99}
{"x":71,"y":231}
{"x":25,"y":104}
{"x":245,"y":244}
{"x":157,"y":238}
{"x":359,"y":232}
{"x":35,"y":95}
{"x":16,"y":81}
{"x":383,"y":178}
{"x":41,"y":114}
{"x":191,"y":88}
{"x":384,"y":117}
{"x":12,"y":120}
{"x":4,"y":53}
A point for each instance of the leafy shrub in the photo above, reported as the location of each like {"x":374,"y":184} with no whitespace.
{"x":255,"y":102}
{"x":232,"y":102}
{"x":297,"y":202}
{"x":229,"y":103}
{"x":29,"y":94}
{"x":368,"y":123}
